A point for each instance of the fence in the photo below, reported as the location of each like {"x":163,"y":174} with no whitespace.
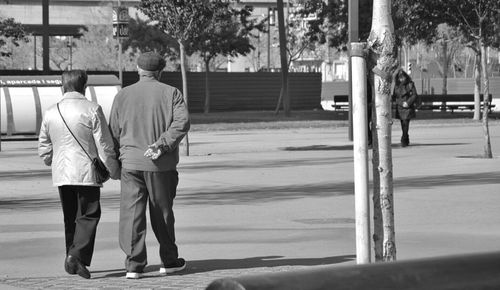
{"x":244,"y":91}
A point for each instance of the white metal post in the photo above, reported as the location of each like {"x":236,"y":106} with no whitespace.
{"x":353,"y":36}
{"x":360,"y":138}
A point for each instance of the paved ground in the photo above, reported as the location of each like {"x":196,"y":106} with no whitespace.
{"x":258,"y":201}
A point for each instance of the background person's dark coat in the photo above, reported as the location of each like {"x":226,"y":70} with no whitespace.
{"x":405,"y":92}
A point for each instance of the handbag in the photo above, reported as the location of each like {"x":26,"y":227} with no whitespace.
{"x":102,"y":173}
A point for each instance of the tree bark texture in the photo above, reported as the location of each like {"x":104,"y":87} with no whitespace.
{"x":446,"y":65}
{"x":486,"y":102}
{"x":283,"y":57}
{"x":477,"y":87}
{"x":384,"y":52}
{"x":185,"y":143}
{"x":378,"y":230}
{"x":280,"y":101}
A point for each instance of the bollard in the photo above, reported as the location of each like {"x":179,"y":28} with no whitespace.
{"x":465,"y":272}
{"x":360,"y":152}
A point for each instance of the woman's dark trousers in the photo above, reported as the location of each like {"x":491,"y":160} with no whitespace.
{"x":405,"y":126}
{"x":82,"y":211}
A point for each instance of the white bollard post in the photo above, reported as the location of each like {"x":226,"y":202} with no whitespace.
{"x":360,"y":146}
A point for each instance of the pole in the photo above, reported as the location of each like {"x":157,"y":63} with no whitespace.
{"x":258,"y":52}
{"x":71,"y":53}
{"x":283,"y":58}
{"x":360,"y":148}
{"x":34,"y":52}
{"x":353,"y":34}
{"x":45,"y":36}
{"x":269,"y":39}
{"x":120,"y":72}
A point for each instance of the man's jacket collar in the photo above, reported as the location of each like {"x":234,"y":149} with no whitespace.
{"x":73,"y":95}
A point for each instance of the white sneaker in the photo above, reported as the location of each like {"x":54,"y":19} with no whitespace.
{"x":178,"y":265}
{"x":133,"y":275}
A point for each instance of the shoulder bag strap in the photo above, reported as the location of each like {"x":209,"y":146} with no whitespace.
{"x":72,"y":132}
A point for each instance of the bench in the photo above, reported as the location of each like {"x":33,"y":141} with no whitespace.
{"x":340,"y":103}
{"x":451,"y":102}
{"x":443,"y":103}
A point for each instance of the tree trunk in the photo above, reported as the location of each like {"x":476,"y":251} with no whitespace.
{"x":477,"y":87}
{"x":283,"y":57}
{"x":378,"y":229}
{"x":445,"y":73}
{"x":280,"y":101}
{"x":486,"y":102}
{"x":206,"y":108}
{"x":185,"y":142}
{"x":383,"y":48}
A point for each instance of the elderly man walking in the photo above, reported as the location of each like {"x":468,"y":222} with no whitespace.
{"x":148,"y":121}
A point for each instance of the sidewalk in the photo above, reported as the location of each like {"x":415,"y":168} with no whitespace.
{"x":259,"y":201}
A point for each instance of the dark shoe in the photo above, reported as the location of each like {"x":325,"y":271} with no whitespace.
{"x":176,"y":266}
{"x":405,"y":141}
{"x":73,"y":265}
{"x":67,"y":267}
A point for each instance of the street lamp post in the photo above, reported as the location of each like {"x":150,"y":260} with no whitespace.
{"x":34,"y":52}
{"x":270,"y":22}
{"x":45,"y":37}
{"x":69,"y":44}
{"x":120,"y":30}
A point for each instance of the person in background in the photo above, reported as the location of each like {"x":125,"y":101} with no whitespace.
{"x":404,"y":96}
{"x":148,"y":121}
{"x":72,"y":170}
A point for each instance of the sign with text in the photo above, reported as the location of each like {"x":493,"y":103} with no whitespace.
{"x":120,"y":30}
{"x":27,"y":82}
{"x":120,"y":22}
{"x":120,"y":15}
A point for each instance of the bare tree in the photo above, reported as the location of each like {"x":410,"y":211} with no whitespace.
{"x":184,"y":21}
{"x":383,"y":53}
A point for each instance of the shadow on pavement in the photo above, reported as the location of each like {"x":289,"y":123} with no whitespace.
{"x":449,"y":180}
{"x":256,"y":194}
{"x":265,"y":261}
{"x":432,"y":144}
{"x":276,"y":163}
{"x":201,"y":266}
{"x":318,"y":148}
{"x":350,"y":147}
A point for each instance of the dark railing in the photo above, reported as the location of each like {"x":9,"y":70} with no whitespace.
{"x":473,"y":271}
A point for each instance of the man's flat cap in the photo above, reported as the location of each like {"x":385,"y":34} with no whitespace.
{"x":151,"y":61}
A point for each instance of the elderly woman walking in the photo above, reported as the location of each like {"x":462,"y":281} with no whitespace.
{"x":73,"y":132}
